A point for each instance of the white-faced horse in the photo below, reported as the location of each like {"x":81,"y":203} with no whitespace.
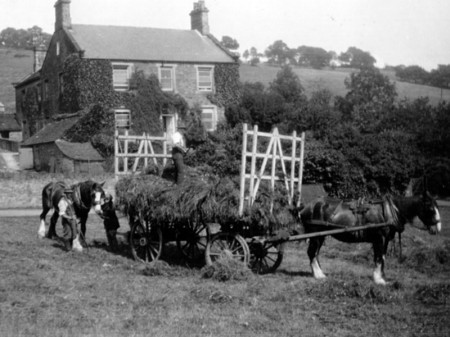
{"x":325,"y":213}
{"x":84,"y":196}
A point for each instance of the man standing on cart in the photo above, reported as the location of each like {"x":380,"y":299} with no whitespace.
{"x":179,"y":150}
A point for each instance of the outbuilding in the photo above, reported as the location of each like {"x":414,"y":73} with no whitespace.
{"x":51,"y":153}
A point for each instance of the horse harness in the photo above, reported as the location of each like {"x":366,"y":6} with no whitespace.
{"x":77,"y":198}
{"x":358,"y":208}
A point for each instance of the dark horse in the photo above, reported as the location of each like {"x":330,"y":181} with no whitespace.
{"x":325,"y":213}
{"x":84,"y":196}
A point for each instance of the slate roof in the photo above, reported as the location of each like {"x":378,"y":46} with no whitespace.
{"x":78,"y":151}
{"x":8,"y":122}
{"x":146,"y":44}
{"x":28,"y":79}
{"x":51,"y":132}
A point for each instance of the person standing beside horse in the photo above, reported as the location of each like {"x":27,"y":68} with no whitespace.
{"x":61,"y":201}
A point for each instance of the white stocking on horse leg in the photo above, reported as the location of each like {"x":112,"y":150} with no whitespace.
{"x":316,"y":270}
{"x":41,"y":230}
{"x":378,"y":274}
{"x":76,"y":246}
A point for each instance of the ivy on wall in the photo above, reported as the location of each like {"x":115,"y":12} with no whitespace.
{"x":87,"y":82}
{"x":227,"y":84}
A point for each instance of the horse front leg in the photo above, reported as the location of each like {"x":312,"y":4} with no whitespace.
{"x":379,"y":255}
{"x":313,"y":253}
{"x":83,"y":220}
{"x":41,"y":230}
{"x":52,"y":228}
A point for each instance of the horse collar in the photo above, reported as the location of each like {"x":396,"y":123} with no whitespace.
{"x":77,"y":197}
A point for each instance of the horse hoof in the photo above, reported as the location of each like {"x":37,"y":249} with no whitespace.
{"x":77,"y":249}
{"x":380,"y":281}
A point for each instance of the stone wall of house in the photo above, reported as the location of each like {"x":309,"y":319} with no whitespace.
{"x":185,"y":81}
{"x":45,"y":157}
{"x":60,"y":47}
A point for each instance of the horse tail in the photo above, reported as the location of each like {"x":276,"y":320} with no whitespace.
{"x":47,"y":192}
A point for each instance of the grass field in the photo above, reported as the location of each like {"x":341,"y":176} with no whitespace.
{"x":14,"y":66}
{"x":333,"y":80}
{"x":45,"y":291}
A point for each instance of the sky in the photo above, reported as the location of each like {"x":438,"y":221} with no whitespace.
{"x":409,"y":32}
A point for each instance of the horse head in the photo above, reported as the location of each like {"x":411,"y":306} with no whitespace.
{"x":98,"y":197}
{"x":428,"y":213}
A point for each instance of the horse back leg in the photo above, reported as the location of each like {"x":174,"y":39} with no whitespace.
{"x":379,"y":256}
{"x":313,"y":253}
{"x":46,"y":206}
{"x":52,"y":228}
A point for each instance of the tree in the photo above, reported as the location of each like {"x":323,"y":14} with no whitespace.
{"x":314,"y":57}
{"x":278,"y":53}
{"x":371,"y":96}
{"x":254,"y":56}
{"x":440,"y":77}
{"x":229,"y":43}
{"x":23,"y":39}
{"x":356,"y":58}
{"x":287,"y":84}
{"x":246,"y":55}
{"x":413,"y":74}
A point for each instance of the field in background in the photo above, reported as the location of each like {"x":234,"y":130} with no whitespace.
{"x":16,"y":64}
{"x":45,"y":291}
{"x":333,"y":80}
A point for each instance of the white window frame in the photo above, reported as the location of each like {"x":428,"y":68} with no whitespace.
{"x":124,"y":86}
{"x":171,"y":68}
{"x":201,"y":84}
{"x":213,"y":117}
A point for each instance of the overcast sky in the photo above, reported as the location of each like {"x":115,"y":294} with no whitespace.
{"x":410,"y":32}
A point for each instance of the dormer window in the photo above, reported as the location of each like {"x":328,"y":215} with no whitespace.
{"x":121,"y":76}
{"x":167,"y":77}
{"x":205,"y":78}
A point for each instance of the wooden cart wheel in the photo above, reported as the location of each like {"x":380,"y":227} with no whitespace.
{"x":227,"y":245}
{"x":265,"y":257}
{"x":146,"y":241}
{"x":192,"y":239}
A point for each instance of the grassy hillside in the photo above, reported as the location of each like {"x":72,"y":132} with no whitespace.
{"x":14,"y":66}
{"x":333,"y":80}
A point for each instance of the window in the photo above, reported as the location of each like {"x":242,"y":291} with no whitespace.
{"x":209,"y":118}
{"x":121,"y":76}
{"x":167,"y":78}
{"x":57,"y":48}
{"x":61,"y":83}
{"x":205,"y":78}
{"x":45,"y":91}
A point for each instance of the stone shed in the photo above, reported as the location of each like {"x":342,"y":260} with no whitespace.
{"x":51,"y":153}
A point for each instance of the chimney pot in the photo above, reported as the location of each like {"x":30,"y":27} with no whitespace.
{"x":62,"y":15}
{"x":199,"y":18}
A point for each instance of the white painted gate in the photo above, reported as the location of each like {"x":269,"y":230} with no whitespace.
{"x":132,"y":153}
{"x":282,"y":153}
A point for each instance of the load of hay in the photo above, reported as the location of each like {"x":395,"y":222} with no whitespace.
{"x":204,"y":195}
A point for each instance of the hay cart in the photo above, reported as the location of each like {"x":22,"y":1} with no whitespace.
{"x":274,"y":159}
{"x":270,"y":162}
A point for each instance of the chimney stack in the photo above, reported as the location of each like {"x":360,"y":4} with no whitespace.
{"x":199,"y":18}
{"x":39,"y":56}
{"x":62,"y":14}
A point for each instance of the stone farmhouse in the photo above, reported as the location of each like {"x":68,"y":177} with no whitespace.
{"x":183,"y":60}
